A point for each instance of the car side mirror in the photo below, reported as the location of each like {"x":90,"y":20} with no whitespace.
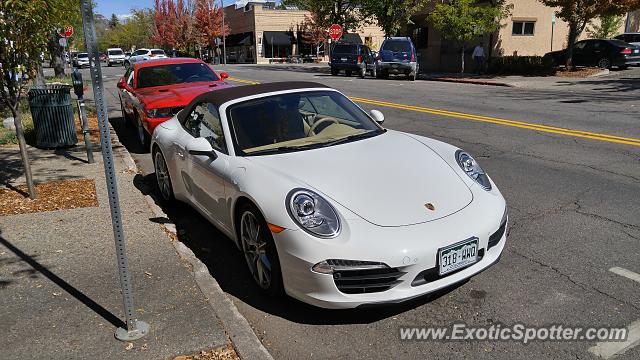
{"x":121,"y":84}
{"x":201,"y":146}
{"x":224,"y":75}
{"x":377,"y":116}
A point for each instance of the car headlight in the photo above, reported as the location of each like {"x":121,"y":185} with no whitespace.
{"x":471,"y":167}
{"x":313,"y":213}
{"x":160,"y":113}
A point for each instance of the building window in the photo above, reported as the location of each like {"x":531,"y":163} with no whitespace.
{"x":525,"y":28}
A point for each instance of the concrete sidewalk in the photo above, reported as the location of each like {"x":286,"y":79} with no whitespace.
{"x":59,"y":282}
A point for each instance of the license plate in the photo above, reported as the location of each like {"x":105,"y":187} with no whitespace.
{"x":394,"y":66}
{"x":343,"y":59}
{"x":458,"y":256}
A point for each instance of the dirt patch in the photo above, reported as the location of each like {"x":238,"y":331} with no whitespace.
{"x":52,"y":195}
{"x":578,"y":73}
{"x":224,"y":353}
{"x":94,"y":129}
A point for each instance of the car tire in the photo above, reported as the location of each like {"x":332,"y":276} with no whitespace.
{"x":143,"y":137}
{"x":385,"y":75}
{"x":363,"y":73}
{"x":374,"y":72}
{"x":347,"y":73}
{"x":125,"y":117}
{"x":623,"y":67}
{"x":334,"y":72}
{"x":163,"y":178}
{"x":412,"y":76}
{"x":604,"y":63}
{"x":108,"y":64}
{"x":127,"y":64}
{"x":263,"y":264}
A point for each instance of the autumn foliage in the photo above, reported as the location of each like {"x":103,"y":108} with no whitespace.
{"x":183,"y":24}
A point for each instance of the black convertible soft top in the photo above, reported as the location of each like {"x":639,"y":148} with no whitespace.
{"x":219,"y":97}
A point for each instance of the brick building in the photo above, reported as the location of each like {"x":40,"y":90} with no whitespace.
{"x":260,"y":33}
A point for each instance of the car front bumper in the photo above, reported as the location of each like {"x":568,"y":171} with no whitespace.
{"x":115,"y":61}
{"x":396,"y":67}
{"x":409,"y":250}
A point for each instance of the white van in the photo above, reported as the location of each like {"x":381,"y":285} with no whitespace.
{"x":115,"y":56}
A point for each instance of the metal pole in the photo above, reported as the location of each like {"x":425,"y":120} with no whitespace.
{"x":224,"y":45}
{"x":135,"y":329}
{"x":553,"y":25}
{"x":85,"y":129}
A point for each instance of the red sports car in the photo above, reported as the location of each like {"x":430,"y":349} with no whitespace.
{"x":155,"y":90}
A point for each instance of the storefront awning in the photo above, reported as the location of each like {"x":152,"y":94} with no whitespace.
{"x":278,"y":38}
{"x":351,"y":38}
{"x":243,"y":39}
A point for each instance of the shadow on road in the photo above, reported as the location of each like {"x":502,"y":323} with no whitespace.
{"x":227,"y":265}
{"x":127,"y":134}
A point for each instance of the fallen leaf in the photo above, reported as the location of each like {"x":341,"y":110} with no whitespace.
{"x":129,"y":346}
{"x":57,"y":294}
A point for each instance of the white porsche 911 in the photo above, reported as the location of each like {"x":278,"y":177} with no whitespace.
{"x":326,"y":204}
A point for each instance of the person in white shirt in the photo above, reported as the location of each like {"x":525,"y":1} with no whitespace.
{"x":478,"y":57}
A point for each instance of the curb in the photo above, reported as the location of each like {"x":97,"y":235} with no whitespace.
{"x":468,"y":81}
{"x":238,"y":329}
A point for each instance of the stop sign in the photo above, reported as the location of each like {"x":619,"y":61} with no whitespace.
{"x":68,"y":31}
{"x":335,"y":32}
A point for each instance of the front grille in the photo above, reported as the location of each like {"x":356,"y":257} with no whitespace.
{"x":366,"y":281}
{"x":494,"y":239}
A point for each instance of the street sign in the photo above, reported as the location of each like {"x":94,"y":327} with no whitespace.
{"x":68,"y":31}
{"x":335,"y":32}
{"x":63,"y":42}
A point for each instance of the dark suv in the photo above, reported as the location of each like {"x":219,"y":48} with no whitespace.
{"x":352,"y":58}
{"x":398,"y":56}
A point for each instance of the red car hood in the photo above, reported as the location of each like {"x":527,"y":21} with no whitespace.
{"x":176,"y":95}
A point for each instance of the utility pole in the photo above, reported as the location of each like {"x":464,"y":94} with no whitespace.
{"x":224,"y":41}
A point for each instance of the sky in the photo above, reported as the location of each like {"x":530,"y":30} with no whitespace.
{"x":123,"y":7}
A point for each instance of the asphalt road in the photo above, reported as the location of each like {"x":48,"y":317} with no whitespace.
{"x":574,"y":205}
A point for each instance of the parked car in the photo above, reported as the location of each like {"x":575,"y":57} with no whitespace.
{"x":598,"y":52}
{"x":115,"y":56}
{"x":127,"y":54}
{"x":81,"y":60}
{"x":352,"y":58}
{"x":631,"y":38}
{"x":144,"y":54}
{"x":397,"y":55}
{"x":155,"y":90}
{"x":386,"y":230}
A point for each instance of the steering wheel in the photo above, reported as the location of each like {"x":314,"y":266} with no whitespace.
{"x":313,"y":127}
{"x":194,"y":76}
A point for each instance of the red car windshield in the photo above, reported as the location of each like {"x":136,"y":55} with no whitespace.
{"x":170,"y":74}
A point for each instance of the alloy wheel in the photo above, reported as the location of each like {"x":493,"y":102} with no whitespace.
{"x":162,"y":177}
{"x":254,"y":247}
{"x":604,"y":63}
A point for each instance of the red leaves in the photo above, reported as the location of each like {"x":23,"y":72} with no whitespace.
{"x":179,"y":24}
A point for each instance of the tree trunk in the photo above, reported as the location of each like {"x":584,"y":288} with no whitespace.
{"x":462,"y":60}
{"x":55,"y":50}
{"x":39,"y":80}
{"x":571,"y":40}
{"x":17,"y":120}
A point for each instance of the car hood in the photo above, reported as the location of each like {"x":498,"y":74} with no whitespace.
{"x":176,"y":95}
{"x":387,"y":180}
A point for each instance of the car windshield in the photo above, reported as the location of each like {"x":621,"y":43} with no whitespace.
{"x":170,"y":74}
{"x":297,"y":121}
{"x":157,"y":52}
{"x":345,"y":49}
{"x":396,"y":46}
{"x":83,"y":56}
{"x":115,"y":52}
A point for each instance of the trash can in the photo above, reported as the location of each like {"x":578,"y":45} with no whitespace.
{"x":52,"y":113}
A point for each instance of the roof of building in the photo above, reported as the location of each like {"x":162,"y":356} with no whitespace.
{"x":221,"y":96}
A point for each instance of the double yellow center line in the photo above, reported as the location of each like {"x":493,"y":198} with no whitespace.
{"x":488,"y":119}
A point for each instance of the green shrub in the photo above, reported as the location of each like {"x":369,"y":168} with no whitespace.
{"x":521,"y":65}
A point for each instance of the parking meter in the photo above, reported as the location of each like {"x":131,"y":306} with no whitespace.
{"x":76,"y":78}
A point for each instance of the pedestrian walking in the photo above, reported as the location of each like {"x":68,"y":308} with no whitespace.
{"x":478,"y":57}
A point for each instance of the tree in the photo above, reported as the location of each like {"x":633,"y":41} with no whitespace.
{"x":464,"y":20}
{"x":136,"y":32}
{"x":312,"y":32}
{"x":607,"y":28}
{"x":208,"y":22}
{"x":578,"y":13}
{"x":343,"y":12}
{"x":24,"y":30}
{"x":114,"y":22}
{"x":391,"y":15}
